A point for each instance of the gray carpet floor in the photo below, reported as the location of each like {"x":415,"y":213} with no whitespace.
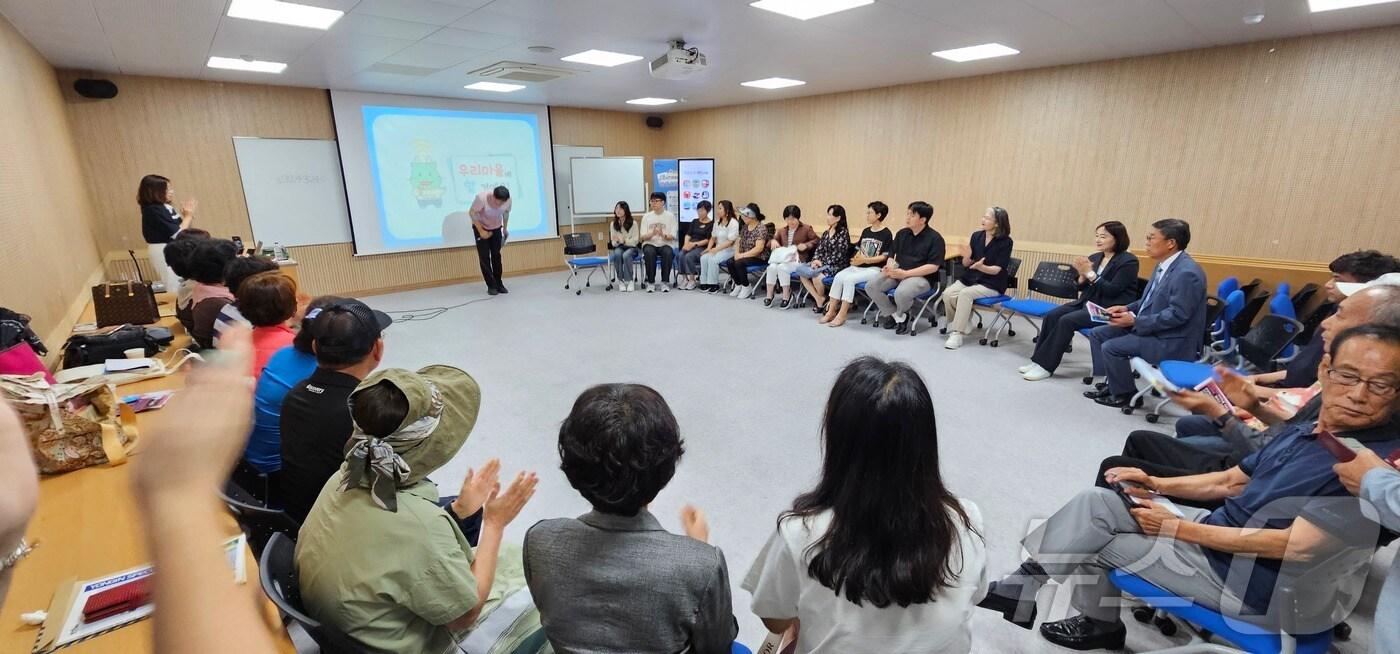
{"x":747,"y":385}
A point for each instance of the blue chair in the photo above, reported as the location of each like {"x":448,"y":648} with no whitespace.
{"x":1059,"y":280}
{"x":1222,"y":342}
{"x":1227,"y":286}
{"x":578,"y":243}
{"x":998,"y":301}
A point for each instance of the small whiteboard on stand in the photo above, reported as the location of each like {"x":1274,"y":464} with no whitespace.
{"x":294,"y":190}
{"x":600,"y":182}
{"x":563,"y":178}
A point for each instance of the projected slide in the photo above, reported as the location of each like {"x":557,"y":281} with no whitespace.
{"x":422,"y":166}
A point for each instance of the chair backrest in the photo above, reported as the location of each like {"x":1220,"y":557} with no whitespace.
{"x":1252,"y":289}
{"x":1315,"y":318}
{"x":1234,"y":304}
{"x":259,"y":522}
{"x":1227,"y":286}
{"x":579,"y":243}
{"x":1303,"y":297}
{"x":1282,"y":305}
{"x":1240,"y":325}
{"x":1214,"y":307}
{"x":1268,"y":339}
{"x":277,"y":573}
{"x":1012,"y":267}
{"x":1141,"y":286}
{"x":1055,"y":279}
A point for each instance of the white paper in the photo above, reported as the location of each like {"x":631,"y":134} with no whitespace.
{"x":123,"y":365}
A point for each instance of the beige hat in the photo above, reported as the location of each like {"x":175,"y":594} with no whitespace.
{"x":1350,"y":288}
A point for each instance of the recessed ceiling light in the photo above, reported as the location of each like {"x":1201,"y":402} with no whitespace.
{"x":285,"y":13}
{"x":975,"y":52}
{"x":601,"y":58}
{"x":250,"y":65}
{"x":804,"y":9}
{"x":774,"y":83}
{"x":494,"y":86}
{"x":1329,"y":5}
{"x":651,"y":102}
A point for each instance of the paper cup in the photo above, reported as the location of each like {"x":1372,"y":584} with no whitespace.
{"x":135,"y":353}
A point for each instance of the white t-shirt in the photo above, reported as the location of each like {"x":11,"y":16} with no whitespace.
{"x":668,"y":226}
{"x":831,"y":624}
{"x":726,"y":233}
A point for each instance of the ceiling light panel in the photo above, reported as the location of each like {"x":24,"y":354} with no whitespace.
{"x":807,"y":9}
{"x":601,"y":58}
{"x":284,"y":13}
{"x":250,"y":65}
{"x":651,"y":102}
{"x":975,"y":52}
{"x":774,"y":83}
{"x":497,"y":87}
{"x":1330,"y":5}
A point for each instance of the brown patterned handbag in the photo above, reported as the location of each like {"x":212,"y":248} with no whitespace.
{"x":71,"y":426}
{"x":125,"y":303}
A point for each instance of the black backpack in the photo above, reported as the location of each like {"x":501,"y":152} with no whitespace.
{"x":14,"y":329}
{"x":87,"y":349}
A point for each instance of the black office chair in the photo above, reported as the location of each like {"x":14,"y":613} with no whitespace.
{"x":258,"y":522}
{"x":1314,"y":318}
{"x":1266,"y":341}
{"x":1253,"y":288}
{"x":1304,"y":296}
{"x":1245,"y":319}
{"x":277,"y":572}
{"x":578,"y":243}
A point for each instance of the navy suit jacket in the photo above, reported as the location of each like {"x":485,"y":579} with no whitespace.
{"x":1116,"y":285}
{"x":1175,"y":313}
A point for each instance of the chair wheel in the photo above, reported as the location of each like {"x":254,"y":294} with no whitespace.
{"x":1127,"y":410}
{"x":588,"y":284}
{"x":1342,"y":632}
{"x":913,"y":332}
{"x":1087,"y":381}
{"x":578,"y":292}
{"x":864,"y":321}
{"x":1144,"y":614}
{"x":981,"y":341}
{"x":1137,"y":404}
{"x":1153,"y":418}
{"x":1165,"y":625}
{"x":943,"y":330}
{"x":1010,"y":332}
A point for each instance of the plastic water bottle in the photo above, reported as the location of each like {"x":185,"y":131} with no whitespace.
{"x":279,"y":253}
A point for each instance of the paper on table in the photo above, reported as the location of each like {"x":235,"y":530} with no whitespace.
{"x":123,"y":365}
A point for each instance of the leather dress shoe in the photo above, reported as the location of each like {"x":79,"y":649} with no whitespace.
{"x":1097,"y":393}
{"x":492,"y":291}
{"x":903,"y":327}
{"x":887,"y":322}
{"x":1101,"y":386}
{"x":1018,"y":612}
{"x":1083,"y":633}
{"x":502,"y":288}
{"x":1115,"y":401}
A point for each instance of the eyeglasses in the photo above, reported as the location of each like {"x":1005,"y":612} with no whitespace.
{"x":1374,"y":386}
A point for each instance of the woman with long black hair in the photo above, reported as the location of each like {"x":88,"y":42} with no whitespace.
{"x":160,"y":222}
{"x":624,"y":239}
{"x":879,"y":556}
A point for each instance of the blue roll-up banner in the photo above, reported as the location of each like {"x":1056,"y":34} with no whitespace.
{"x":665,"y":178}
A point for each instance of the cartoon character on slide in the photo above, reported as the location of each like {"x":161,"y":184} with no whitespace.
{"x":424,"y":176}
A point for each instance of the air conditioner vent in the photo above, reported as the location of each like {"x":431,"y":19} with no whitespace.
{"x":522,"y":72}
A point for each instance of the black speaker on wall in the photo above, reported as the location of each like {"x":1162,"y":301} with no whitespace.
{"x":98,"y":89}
{"x":655,"y":122}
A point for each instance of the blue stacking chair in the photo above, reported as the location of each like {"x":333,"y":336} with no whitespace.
{"x":1312,"y":601}
{"x":1059,"y":280}
{"x":1281,"y":304}
{"x":996,"y":301}
{"x":1222,"y":342}
{"x":580,"y":243}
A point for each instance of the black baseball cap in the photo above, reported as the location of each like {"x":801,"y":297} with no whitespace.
{"x":347,"y":329}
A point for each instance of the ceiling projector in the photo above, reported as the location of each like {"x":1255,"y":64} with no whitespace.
{"x":679,"y":62}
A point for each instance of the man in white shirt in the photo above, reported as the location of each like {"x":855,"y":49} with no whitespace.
{"x":659,"y":229}
{"x":490,"y":214}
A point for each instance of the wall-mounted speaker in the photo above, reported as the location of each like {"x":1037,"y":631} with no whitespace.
{"x":655,"y":122}
{"x":99,"y":89}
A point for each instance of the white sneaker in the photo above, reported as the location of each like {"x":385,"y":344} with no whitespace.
{"x":954,"y":341}
{"x":631,"y":286}
{"x":1036,"y":373}
{"x":665,"y":287}
{"x":622,"y":287}
{"x":651,"y":288}
{"x":745,"y":292}
{"x":1026,"y":368}
{"x":736,"y":291}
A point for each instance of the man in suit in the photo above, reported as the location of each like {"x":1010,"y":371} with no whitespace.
{"x":1169,"y":322}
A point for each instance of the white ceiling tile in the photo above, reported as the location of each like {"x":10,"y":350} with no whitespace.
{"x":155,"y":37}
{"x":431,"y":55}
{"x":1127,"y":25}
{"x":470,"y":39}
{"x":386,"y":27}
{"x":418,"y":11}
{"x":1222,"y":21}
{"x":265,"y":41}
{"x":93,"y":54}
{"x":338,"y":56}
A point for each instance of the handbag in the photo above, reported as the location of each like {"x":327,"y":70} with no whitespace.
{"x":20,"y":359}
{"x":785,"y":254}
{"x":71,"y":426}
{"x":121,"y":303}
{"x":87,"y":349}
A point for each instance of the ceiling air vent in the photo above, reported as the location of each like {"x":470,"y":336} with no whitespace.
{"x":515,"y":71}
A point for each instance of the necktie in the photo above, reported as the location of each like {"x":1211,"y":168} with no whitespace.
{"x":1151,"y":286}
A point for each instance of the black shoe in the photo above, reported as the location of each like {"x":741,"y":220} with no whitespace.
{"x":714,"y":288}
{"x":820,"y":308}
{"x":1097,"y":393}
{"x":887,"y":322}
{"x":492,"y":291}
{"x":903,"y":327}
{"x":1115,"y":401}
{"x":768,"y":302}
{"x":1084,"y":633}
{"x":1101,"y":386}
{"x":1018,"y":612}
{"x":784,"y":304}
{"x":502,"y":288}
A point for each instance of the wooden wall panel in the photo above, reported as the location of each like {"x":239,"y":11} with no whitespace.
{"x":184,"y":129}
{"x":46,"y":218}
{"x":1284,"y":149}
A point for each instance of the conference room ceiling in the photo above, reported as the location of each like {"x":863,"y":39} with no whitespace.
{"x":427,"y":47}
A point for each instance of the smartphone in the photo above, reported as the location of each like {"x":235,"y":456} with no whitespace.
{"x":238,"y":243}
{"x":1121,"y":488}
{"x":1344,"y":449}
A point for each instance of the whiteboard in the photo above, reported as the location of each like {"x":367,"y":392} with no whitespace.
{"x":599,"y":182}
{"x":563,"y":176}
{"x":294,"y":190}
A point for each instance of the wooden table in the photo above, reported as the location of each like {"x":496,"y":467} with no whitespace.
{"x":88,"y":525}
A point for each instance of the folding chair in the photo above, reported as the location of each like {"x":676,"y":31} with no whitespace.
{"x":277,"y":573}
{"x":258,"y":521}
{"x":995,"y":301}
{"x":1059,"y":280}
{"x":577,"y":243}
{"x":1302,"y":298}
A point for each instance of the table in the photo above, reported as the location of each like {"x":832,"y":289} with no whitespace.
{"x":87,"y":525}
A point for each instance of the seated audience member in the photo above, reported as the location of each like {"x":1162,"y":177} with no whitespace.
{"x":1108,"y":278}
{"x":984,"y":273}
{"x":723,"y":236}
{"x":872,"y":251}
{"x":1281,"y":510}
{"x":750,"y":250}
{"x":1377,"y":302}
{"x":911,"y":268}
{"x":378,"y":557}
{"x":177,"y":253}
{"x":287,"y":368}
{"x":315,"y":424}
{"x":831,"y":256}
{"x":209,"y":296}
{"x":237,"y":270}
{"x":697,"y":241}
{"x":894,"y":566}
{"x":624,"y":237}
{"x":21,"y":493}
{"x":267,"y":301}
{"x":795,"y":234}
{"x":1169,"y":322}
{"x":1375,"y":481}
{"x":613,"y":579}
{"x":659,"y":229}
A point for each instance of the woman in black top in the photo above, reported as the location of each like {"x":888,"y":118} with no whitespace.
{"x":1108,"y":277}
{"x":160,"y":223}
{"x":697,"y":239}
{"x":871,"y":252}
{"x":984,"y":273}
{"x":833,"y":254}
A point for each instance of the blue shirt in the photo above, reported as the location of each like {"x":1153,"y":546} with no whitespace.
{"x":287,"y":368}
{"x":1291,"y":477}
